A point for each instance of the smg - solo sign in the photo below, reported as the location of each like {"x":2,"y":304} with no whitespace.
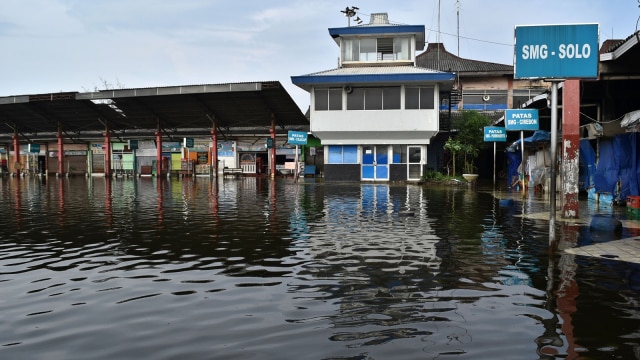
{"x":556,"y":51}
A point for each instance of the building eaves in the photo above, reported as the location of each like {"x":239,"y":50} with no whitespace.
{"x":373,"y":75}
{"x":614,"y":50}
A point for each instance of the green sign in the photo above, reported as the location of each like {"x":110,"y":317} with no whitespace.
{"x":269,"y":143}
{"x":188,"y":142}
{"x":34,"y":148}
{"x":133,"y":144}
{"x":495,"y":134}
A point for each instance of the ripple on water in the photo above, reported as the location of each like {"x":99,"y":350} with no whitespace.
{"x":147,"y":268}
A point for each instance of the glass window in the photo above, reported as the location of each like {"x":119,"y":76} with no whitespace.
{"x":335,"y":99}
{"x":399,"y":154}
{"x":368,"y":50}
{"x":321,"y":99}
{"x":411,"y":98}
{"x":401,"y":48}
{"x":426,"y":98}
{"x":355,"y":100}
{"x":385,"y":49}
{"x":418,"y":98}
{"x":350,"y":49}
{"x":373,"y":99}
{"x":335,"y":154}
{"x":343,"y":154}
{"x":391,"y":97}
{"x":350,"y":154}
{"x":327,"y":99}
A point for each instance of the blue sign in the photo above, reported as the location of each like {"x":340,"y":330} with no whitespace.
{"x":521,"y":119}
{"x":495,"y":134}
{"x":297,"y":138}
{"x":34,"y":148}
{"x":556,"y":51}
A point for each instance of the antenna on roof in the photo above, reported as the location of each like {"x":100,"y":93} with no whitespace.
{"x":438,"y":35}
{"x":350,"y":12}
{"x":458,"y":23}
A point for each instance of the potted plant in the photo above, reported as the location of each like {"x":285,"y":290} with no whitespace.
{"x":454,"y":146}
{"x":469,"y":141}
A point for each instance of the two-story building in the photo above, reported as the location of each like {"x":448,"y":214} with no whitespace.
{"x":376,"y":113}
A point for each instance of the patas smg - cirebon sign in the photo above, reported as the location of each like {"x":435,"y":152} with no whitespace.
{"x":556,"y":51}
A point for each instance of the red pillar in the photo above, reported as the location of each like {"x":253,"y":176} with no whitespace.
{"x":570,"y":148}
{"x":214,"y":151}
{"x":107,"y":153}
{"x":158,"y":153}
{"x":60,"y":153}
{"x":272,"y":153}
{"x":16,"y":153}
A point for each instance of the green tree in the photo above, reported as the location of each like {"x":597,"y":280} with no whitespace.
{"x":469,"y":135}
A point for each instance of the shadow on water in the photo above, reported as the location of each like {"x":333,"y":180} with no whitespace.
{"x":253,"y":268}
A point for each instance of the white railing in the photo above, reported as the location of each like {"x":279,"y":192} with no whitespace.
{"x":248,"y":167}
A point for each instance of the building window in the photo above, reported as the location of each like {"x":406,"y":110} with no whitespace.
{"x":385,"y":98}
{"x":418,"y":98}
{"x":485,"y":100}
{"x":343,"y":154}
{"x":376,"y":49}
{"x":399,"y":154}
{"x":327,"y":99}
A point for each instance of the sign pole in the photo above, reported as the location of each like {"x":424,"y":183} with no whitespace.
{"x":495,"y":134}
{"x":295,"y":173}
{"x":522,"y":161}
{"x":552,"y":185}
{"x":494,"y":165}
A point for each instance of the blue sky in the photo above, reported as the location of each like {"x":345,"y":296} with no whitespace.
{"x":82,"y":45}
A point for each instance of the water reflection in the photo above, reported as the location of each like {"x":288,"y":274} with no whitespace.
{"x":161,"y":268}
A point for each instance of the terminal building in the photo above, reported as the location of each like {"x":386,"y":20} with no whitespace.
{"x":376,"y":113}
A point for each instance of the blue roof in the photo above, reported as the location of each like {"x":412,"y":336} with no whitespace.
{"x":373,"y":75}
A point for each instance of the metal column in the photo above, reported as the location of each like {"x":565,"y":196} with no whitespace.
{"x":570,"y":148}
{"x":60,"y":152}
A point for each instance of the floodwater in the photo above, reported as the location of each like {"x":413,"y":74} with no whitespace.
{"x":147,"y":268}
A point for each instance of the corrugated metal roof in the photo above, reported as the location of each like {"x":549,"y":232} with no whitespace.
{"x":177,"y":110}
{"x":437,"y":57}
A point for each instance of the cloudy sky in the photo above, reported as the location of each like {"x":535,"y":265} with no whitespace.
{"x":50,"y":46}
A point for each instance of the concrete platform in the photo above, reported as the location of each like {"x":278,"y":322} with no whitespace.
{"x":623,"y":250}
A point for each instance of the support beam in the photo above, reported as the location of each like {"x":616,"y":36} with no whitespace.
{"x":158,"y":153}
{"x":272,"y":152}
{"x":570,"y":148}
{"x":60,"y":152}
{"x":16,"y":152}
{"x":107,"y":152}
{"x":214,"y":151}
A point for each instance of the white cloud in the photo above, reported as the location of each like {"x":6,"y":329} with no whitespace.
{"x":70,"y":45}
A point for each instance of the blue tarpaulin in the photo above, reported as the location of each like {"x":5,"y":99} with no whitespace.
{"x":618,"y":168}
{"x":587,"y":164}
{"x":513,"y":159}
{"x":537,"y":137}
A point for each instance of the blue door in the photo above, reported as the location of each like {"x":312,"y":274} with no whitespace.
{"x":375,"y":162}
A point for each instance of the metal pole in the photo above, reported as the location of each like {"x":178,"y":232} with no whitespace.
{"x":554,"y":145}
{"x":522,"y":160}
{"x":296,"y":162}
{"x":494,"y":165}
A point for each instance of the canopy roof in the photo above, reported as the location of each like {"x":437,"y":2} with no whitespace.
{"x":191,"y":110}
